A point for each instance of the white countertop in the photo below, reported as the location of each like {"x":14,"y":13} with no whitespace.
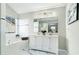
{"x":46,"y":35}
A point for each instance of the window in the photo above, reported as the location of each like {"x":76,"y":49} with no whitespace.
{"x":23,"y":26}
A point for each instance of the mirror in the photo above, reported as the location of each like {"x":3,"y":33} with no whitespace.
{"x":46,"y":25}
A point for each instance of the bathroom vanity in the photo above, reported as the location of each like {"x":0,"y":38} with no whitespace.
{"x":45,"y":38}
{"x":44,"y":43}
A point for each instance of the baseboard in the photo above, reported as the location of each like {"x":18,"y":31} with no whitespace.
{"x":63,"y":50}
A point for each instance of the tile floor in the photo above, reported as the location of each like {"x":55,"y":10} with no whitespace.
{"x":21,"y":48}
{"x":17,"y":49}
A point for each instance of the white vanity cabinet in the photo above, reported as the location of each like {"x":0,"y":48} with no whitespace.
{"x":47,"y":43}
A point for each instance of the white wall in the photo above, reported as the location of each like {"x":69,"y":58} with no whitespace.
{"x":62,"y":28}
{"x":56,"y":12}
{"x":3,"y":39}
{"x":0,"y":29}
{"x":11,"y":12}
{"x":73,"y":38}
{"x":72,"y":31}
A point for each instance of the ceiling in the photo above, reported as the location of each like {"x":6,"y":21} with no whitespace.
{"x":30,"y":7}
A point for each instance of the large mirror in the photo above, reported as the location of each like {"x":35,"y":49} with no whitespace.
{"x":46,"y":25}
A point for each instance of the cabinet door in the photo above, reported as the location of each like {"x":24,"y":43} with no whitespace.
{"x":45,"y":43}
{"x":38,"y":42}
{"x":53,"y":45}
{"x":32,"y":42}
